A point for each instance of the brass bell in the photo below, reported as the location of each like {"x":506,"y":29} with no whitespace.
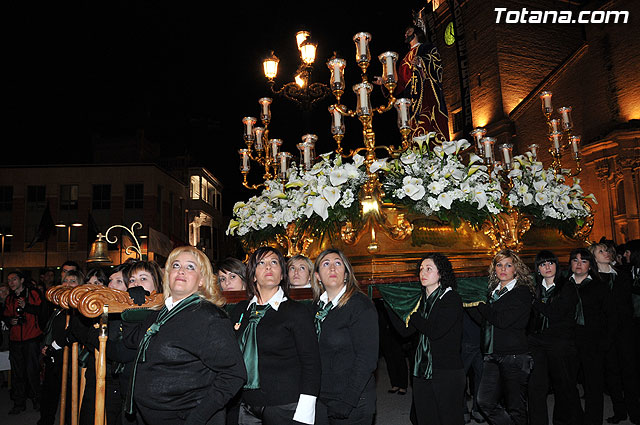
{"x":99,"y":251}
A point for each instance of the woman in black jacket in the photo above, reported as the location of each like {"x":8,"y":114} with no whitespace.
{"x":277,"y":339}
{"x":438,"y":371}
{"x":347,"y":328}
{"x":552,"y":344}
{"x":188,"y":365}
{"x":502,"y":395}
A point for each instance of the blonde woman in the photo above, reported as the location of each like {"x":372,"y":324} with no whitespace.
{"x":188,"y":364}
{"x":507,"y":362}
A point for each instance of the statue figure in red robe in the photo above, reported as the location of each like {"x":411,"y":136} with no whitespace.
{"x":420,"y":80}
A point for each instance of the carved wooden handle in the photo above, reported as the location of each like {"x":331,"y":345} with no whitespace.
{"x":93,"y":302}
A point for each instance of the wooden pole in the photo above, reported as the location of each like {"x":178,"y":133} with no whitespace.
{"x":63,"y":385}
{"x":101,"y":369}
{"x":100,"y":381}
{"x":74,"y":383}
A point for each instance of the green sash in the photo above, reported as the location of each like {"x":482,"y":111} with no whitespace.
{"x":487,"y":328}
{"x":545,"y":294}
{"x":164,"y":316}
{"x":423,"y":365}
{"x":249,"y":345}
{"x":579,"y":309}
{"x":320,"y":315}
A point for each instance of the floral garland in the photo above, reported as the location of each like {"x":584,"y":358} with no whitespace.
{"x":543,"y":194}
{"x":319,"y":199}
{"x":431,"y":182}
{"x":437,"y":182}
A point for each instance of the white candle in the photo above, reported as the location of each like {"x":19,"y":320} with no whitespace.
{"x":307,"y":156}
{"x":565,"y":112}
{"x":259,"y":131}
{"x":505,"y":154}
{"x":575,"y":141}
{"x":336,"y":72}
{"x":555,"y":138}
{"x":364,"y":99}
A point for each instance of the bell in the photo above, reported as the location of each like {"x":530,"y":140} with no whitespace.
{"x":99,"y":251}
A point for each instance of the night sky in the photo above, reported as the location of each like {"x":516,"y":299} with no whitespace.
{"x":184,"y":72}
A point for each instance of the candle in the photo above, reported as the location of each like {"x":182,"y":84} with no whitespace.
{"x":488,"y":147}
{"x":362,"y":51}
{"x":554,"y":124}
{"x":259,"y":132}
{"x":534,"y":151}
{"x":555,"y":139}
{"x":506,"y":154}
{"x":402,"y":106}
{"x":547,"y":106}
{"x":362,"y":91}
{"x":337,"y":120}
{"x":248,"y":128}
{"x":388,"y":60}
{"x":575,"y":146}
{"x":266,"y":112}
{"x":275,"y":144}
{"x":245,"y":165}
{"x":565,"y":113}
{"x":478,"y":133}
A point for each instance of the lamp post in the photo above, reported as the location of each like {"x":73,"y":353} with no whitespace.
{"x":68,"y":226}
{"x":3,"y":235}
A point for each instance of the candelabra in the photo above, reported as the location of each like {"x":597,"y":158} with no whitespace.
{"x":267,"y":152}
{"x":561,"y":134}
{"x":301,"y":90}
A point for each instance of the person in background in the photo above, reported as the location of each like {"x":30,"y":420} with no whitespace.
{"x":502,"y":395}
{"x":552,"y":344}
{"x":117,"y":279}
{"x":279,"y":345}
{"x":620,"y":366}
{"x":231,"y":274}
{"x":21,"y":312}
{"x":96,"y":276}
{"x":594,"y":331}
{"x":347,"y":328}
{"x":299,"y":271}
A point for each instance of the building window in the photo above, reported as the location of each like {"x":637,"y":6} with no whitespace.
{"x":133,"y":196}
{"x":68,"y":197}
{"x":622,"y":206}
{"x":101,"y":197}
{"x":458,"y":124}
{"x":6,"y":198}
{"x":36,"y":197}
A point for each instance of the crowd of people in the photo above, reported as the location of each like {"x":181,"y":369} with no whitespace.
{"x":570,"y":330}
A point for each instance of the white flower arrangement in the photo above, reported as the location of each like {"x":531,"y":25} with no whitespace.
{"x":432,"y":182}
{"x":437,"y":182}
{"x":326,"y":193}
{"x":544,"y":194}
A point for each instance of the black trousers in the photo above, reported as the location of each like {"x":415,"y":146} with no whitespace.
{"x":172,"y":417}
{"x":472,"y":361}
{"x":621,"y":373}
{"x":362,"y":414}
{"x":267,"y":415}
{"x":438,"y":401}
{"x":25,"y":370}
{"x":50,"y":397}
{"x":502,"y":396}
{"x":553,"y":364}
{"x":392,"y":348}
{"x":591,"y":361}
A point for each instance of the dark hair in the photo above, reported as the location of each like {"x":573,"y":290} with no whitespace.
{"x":542,"y":257}
{"x":445,"y":269}
{"x":71,"y":263}
{"x":149,"y":266}
{"x":232,"y":265}
{"x":99,"y":274}
{"x":254,"y":259}
{"x":418,"y":32}
{"x":350,"y":280}
{"x":21,"y":275}
{"x":585,"y":254}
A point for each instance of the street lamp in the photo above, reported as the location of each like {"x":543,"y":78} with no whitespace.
{"x":3,"y":235}
{"x":68,"y":226}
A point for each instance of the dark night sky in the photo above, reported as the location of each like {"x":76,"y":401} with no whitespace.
{"x":185,"y":72}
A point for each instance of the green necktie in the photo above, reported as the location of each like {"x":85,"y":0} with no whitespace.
{"x":320,"y":316}
{"x":545,"y":294}
{"x":163,"y":317}
{"x":579,"y":309}
{"x":423,"y":364}
{"x":487,"y":328}
{"x":249,"y":345}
